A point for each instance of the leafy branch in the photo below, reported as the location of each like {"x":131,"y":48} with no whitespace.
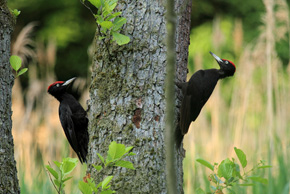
{"x":115,"y":155}
{"x":60,"y":174}
{"x":109,"y":22}
{"x":16,"y":62}
{"x":227,"y":173}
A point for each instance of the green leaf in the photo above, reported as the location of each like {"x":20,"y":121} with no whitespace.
{"x":242,"y":157}
{"x":230,"y":191}
{"x":101,"y":157}
{"x":85,"y":188}
{"x":56,"y":182}
{"x":125,"y":164}
{"x":246,"y":185}
{"x":200,"y":191}
{"x":66,"y":179}
{"x":57,"y":163}
{"x":116,"y":151}
{"x":113,"y":16}
{"x":112,"y":6}
{"x":259,"y":179}
{"x":128,"y":149}
{"x":205,"y":163}
{"x":69,"y":165}
{"x":106,"y":181}
{"x":131,"y":154}
{"x":15,"y":62}
{"x":118,"y":23}
{"x":98,"y":168}
{"x":16,"y":12}
{"x":106,"y":24}
{"x":109,"y":191}
{"x":225,"y":169}
{"x":99,"y":185}
{"x":264,"y":166}
{"x":96,"y":3}
{"x":120,"y":38}
{"x":22,"y":71}
{"x":52,"y":171}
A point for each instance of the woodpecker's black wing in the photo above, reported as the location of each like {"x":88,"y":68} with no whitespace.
{"x":81,"y":125}
{"x":195,"y":95}
{"x":65,"y":116}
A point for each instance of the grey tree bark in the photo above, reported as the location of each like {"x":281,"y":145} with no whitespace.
{"x":127,"y":97}
{"x":8,"y":172}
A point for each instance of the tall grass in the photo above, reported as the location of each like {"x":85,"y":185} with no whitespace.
{"x":37,"y":132}
{"x":248,"y":111}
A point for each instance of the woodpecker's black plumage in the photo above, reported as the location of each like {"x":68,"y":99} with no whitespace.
{"x":73,"y":118}
{"x":197,"y":91}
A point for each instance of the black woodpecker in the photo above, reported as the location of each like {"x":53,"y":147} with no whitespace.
{"x":73,"y":118}
{"x":197,"y":91}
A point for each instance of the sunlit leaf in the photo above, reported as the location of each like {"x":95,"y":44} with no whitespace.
{"x":125,"y":164}
{"x":242,"y":157}
{"x":52,"y":171}
{"x":15,"y":62}
{"x":22,"y":71}
{"x":259,"y":179}
{"x":205,"y":163}
{"x":85,"y":188}
{"x":120,"y":38}
{"x":106,"y":181}
{"x":96,"y":3}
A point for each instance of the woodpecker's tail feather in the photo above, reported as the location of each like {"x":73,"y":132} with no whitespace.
{"x":178,"y":137}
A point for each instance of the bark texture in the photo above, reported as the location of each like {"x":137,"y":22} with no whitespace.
{"x":127,"y":98}
{"x":8,"y":171}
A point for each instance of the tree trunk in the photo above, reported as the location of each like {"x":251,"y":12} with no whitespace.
{"x":8,"y":171}
{"x":127,"y":97}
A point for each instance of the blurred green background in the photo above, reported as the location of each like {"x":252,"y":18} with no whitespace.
{"x":248,"y":111}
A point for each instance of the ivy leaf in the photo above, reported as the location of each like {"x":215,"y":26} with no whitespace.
{"x":22,"y":71}
{"x":15,"y":62}
{"x":242,"y":157}
{"x":120,"y":38}
{"x":205,"y":163}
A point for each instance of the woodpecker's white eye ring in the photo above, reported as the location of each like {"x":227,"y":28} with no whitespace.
{"x":57,"y":85}
{"x":226,"y":62}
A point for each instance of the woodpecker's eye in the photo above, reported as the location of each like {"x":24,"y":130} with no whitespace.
{"x":226,"y":62}
{"x":57,"y":85}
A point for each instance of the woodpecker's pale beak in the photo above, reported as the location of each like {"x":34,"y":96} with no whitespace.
{"x":68,"y":81}
{"x":216,"y":58}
